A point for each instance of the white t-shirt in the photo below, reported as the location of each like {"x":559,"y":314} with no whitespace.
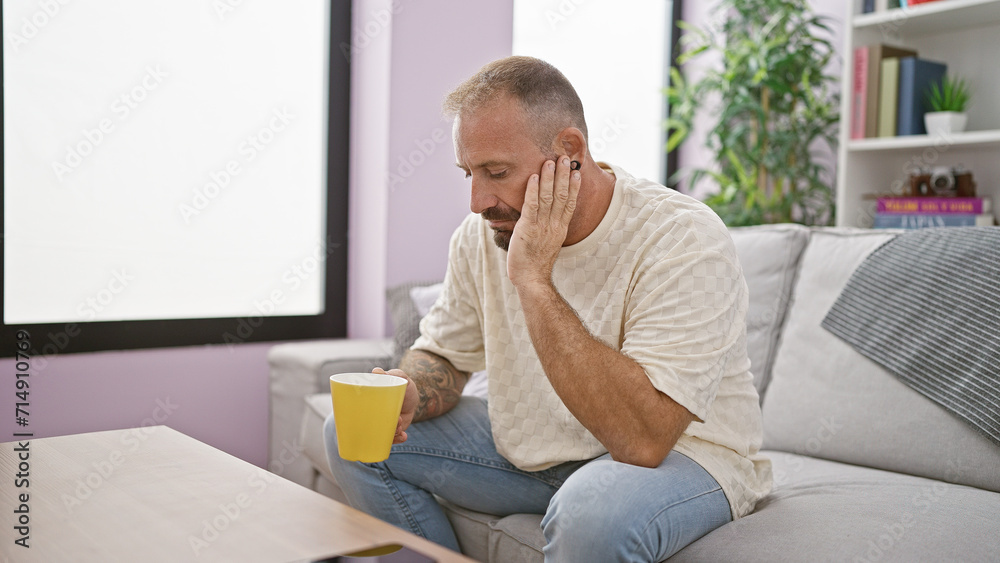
{"x":658,"y":280}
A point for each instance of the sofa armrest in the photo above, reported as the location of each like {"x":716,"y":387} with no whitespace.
{"x":303,"y":368}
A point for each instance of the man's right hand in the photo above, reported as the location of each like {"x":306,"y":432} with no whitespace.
{"x":410,"y":401}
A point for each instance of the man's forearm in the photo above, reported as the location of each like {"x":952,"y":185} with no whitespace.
{"x":606,"y":391}
{"x":439,"y":384}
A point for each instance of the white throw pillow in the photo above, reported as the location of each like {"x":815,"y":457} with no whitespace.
{"x":424,"y":298}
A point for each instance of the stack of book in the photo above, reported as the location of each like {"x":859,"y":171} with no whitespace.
{"x":889,"y":90}
{"x":889,"y":87}
{"x":929,"y":212}
{"x":869,"y":6}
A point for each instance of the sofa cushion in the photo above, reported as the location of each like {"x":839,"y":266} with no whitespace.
{"x":867,"y":515}
{"x":425,"y":296}
{"x":769,"y":255}
{"x":517,"y":537}
{"x":828,"y":511}
{"x":828,"y":401}
{"x":472,"y":529}
{"x":318,"y":407}
{"x":405,"y":318}
{"x":409,"y":303}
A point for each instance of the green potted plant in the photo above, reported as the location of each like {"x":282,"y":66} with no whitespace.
{"x":946,"y":103}
{"x":773,"y":111}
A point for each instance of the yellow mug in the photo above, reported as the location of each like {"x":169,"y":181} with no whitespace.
{"x":366,"y":409}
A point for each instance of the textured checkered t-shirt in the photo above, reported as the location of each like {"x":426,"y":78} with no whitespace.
{"x":658,"y":280}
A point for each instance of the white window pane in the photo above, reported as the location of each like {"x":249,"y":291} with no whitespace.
{"x":164,"y":159}
{"x":614,"y":53}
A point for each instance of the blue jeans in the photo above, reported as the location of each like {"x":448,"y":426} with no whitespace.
{"x":596,"y":510}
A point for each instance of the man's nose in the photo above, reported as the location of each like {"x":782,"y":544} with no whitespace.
{"x":482,"y":198}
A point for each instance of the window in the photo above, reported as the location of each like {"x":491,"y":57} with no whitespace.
{"x":617,"y":55}
{"x":174,"y":172}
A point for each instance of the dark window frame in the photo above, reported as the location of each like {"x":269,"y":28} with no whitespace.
{"x":670,"y":164}
{"x":52,"y":338}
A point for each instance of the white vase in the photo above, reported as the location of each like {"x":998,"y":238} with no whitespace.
{"x":944,"y":122}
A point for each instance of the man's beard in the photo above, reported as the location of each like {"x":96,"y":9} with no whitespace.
{"x":501,"y":238}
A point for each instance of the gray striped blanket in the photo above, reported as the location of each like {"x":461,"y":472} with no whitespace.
{"x":926,"y":306}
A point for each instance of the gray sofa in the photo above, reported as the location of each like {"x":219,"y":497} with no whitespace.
{"x":865,"y":468}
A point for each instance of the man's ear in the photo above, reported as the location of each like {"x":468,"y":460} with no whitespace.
{"x":571,"y":142}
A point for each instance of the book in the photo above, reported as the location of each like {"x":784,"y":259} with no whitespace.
{"x":876,"y":54}
{"x":859,"y":95}
{"x":888,"y":93}
{"x":934,"y":205}
{"x":915,"y":77}
{"x":932,"y":220}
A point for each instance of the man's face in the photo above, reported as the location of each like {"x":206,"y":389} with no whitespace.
{"x":494,"y":148}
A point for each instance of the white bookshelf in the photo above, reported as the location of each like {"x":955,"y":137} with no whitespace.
{"x":964,"y":34}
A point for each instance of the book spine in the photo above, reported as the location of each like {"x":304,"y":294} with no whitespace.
{"x":888,"y":94}
{"x":860,"y":93}
{"x":915,"y":76}
{"x":927,"y":221}
{"x":932,"y":205}
{"x":872,"y":86}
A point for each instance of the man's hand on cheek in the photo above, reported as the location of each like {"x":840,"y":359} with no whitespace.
{"x":549,"y":204}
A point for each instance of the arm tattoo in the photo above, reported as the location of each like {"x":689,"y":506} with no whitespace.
{"x":438,"y":383}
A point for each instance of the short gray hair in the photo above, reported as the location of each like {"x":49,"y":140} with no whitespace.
{"x":549,"y":100}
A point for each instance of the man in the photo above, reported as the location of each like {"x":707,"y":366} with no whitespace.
{"x":609,"y":313}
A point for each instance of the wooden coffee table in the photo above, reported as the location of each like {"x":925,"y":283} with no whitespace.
{"x":154,"y":494}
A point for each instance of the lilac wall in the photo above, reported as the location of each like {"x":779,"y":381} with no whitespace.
{"x":216,"y":394}
{"x":371,"y":56}
{"x":407,"y":196}
{"x":436,"y":45}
